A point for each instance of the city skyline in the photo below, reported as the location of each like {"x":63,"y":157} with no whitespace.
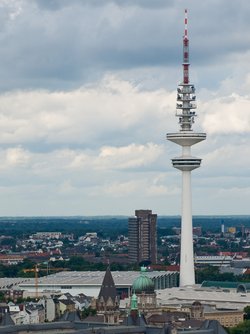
{"x":88,"y":90}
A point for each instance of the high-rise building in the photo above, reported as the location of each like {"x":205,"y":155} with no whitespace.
{"x":186,"y":137}
{"x":142,"y":237}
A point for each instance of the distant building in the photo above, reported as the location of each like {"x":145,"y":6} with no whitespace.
{"x":10,"y":294}
{"x":222,"y":228}
{"x":142,"y":236}
{"x":46,"y":235}
{"x":90,"y":237}
{"x":11,"y":259}
{"x":231,"y":230}
{"x":197,"y":230}
{"x":214,"y":260}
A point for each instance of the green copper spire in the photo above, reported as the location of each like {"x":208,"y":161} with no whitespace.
{"x":133,"y":305}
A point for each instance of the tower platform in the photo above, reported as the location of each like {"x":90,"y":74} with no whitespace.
{"x":187,"y":138}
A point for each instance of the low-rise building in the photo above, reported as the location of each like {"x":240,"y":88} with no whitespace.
{"x":89,"y":282}
{"x":66,"y":305}
{"x":46,"y":235}
{"x":49,"y":305}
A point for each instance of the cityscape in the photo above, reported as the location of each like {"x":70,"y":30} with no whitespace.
{"x":98,"y":234}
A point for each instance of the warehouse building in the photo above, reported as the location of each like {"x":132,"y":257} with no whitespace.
{"x":89,"y":282}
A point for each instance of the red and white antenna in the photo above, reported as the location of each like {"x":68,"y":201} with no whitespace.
{"x":185,"y":52}
{"x":185,"y":22}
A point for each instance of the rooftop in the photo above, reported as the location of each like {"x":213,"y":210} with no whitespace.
{"x":93,"y":278}
{"x":225,"y":299}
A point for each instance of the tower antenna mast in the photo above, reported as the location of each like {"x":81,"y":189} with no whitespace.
{"x":185,"y":51}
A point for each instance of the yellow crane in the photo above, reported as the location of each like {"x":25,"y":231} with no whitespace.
{"x":36,"y":270}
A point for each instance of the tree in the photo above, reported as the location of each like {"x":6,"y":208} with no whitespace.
{"x":247,"y":313}
{"x":242,"y":328}
{"x":87,"y":311}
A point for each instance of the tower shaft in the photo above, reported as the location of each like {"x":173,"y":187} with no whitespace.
{"x":187,"y":257}
{"x":186,"y":162}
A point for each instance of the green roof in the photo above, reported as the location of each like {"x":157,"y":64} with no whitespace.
{"x":143,"y":283}
{"x":220,"y":284}
{"x":239,"y":286}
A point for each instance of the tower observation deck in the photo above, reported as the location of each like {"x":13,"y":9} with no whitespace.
{"x":186,"y":137}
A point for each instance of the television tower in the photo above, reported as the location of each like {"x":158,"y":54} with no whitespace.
{"x":186,"y":104}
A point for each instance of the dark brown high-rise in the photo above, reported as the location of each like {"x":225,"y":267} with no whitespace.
{"x":142,"y":237}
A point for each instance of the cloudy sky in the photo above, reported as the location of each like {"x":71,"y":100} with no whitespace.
{"x":88,"y":93}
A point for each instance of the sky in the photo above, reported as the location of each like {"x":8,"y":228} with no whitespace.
{"x":88,"y":93}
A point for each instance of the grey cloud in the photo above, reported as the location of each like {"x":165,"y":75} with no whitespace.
{"x":77,"y":43}
{"x":58,"y":4}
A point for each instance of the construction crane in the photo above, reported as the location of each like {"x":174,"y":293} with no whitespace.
{"x":36,"y":270}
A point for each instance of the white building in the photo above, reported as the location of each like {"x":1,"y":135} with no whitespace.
{"x":215,"y":260}
{"x":49,"y":308}
{"x":222,"y":298}
{"x":89,"y":282}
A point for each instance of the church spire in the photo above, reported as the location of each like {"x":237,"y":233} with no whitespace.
{"x":108,"y":289}
{"x":133,"y":305}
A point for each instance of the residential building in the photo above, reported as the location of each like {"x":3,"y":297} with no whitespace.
{"x":142,"y":236}
{"x":46,"y":235}
{"x":49,"y":308}
{"x":66,"y":305}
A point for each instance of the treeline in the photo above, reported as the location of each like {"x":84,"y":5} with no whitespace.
{"x":17,"y":270}
{"x":78,"y":263}
{"x":106,"y":227}
{"x":75,"y":263}
{"x":211,"y":273}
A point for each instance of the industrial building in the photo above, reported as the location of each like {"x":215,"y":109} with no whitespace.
{"x":89,"y":282}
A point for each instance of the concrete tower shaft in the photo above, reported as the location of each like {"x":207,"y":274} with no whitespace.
{"x":185,"y":111}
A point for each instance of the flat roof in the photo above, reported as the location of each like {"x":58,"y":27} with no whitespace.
{"x":93,"y":278}
{"x":12,"y":282}
{"x":183,"y":295}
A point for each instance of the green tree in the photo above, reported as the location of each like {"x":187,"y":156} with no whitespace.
{"x":86,"y":312}
{"x":242,"y":328}
{"x":247,"y":313}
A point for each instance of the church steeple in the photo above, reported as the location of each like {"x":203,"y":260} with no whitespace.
{"x":108,"y":300}
{"x":108,"y":289}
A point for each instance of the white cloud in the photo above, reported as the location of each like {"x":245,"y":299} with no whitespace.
{"x":227,"y":114}
{"x":16,"y":157}
{"x":89,"y":91}
{"x":84,"y":115}
{"x":131,"y":156}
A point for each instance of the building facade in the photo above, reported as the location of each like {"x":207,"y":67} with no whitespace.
{"x":144,"y":289}
{"x":142,"y":236}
